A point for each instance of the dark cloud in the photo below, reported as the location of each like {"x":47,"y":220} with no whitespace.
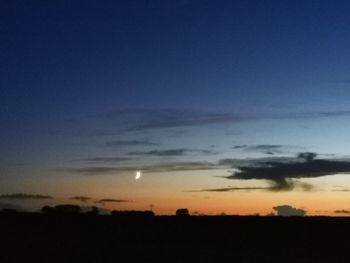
{"x":81,"y":198}
{"x":342,"y":211}
{"x":172,"y":152}
{"x":96,"y":170}
{"x":266,"y":147}
{"x":309,"y":156}
{"x":106,"y":159}
{"x":230,"y":189}
{"x":111,"y":200}
{"x":287,"y":210}
{"x":281,"y":171}
{"x":140,"y":142}
{"x":303,"y":186}
{"x":235,"y":162}
{"x":269,"y":149}
{"x":165,"y":167}
{"x":242,"y":146}
{"x":22,"y":196}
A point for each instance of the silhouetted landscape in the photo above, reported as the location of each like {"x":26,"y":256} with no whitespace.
{"x":174,"y":131}
{"x":143,"y":237}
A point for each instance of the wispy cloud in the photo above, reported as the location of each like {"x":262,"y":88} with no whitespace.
{"x":111,"y":200}
{"x":230,"y":189}
{"x":300,"y":185}
{"x":342,"y":211}
{"x":283,"y":173}
{"x":139,"y":142}
{"x":145,"y":119}
{"x":23,"y":196}
{"x":149,"y":119}
{"x":123,"y":121}
{"x":312,"y":115}
{"x":173,"y":152}
{"x":98,"y":170}
{"x":81,"y":198}
{"x":106,"y":159}
{"x":164,"y":167}
{"x":341,"y":189}
{"x":270,"y":149}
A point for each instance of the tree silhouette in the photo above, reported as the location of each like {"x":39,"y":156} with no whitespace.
{"x":182,"y":212}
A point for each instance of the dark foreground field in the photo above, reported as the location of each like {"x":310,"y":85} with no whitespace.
{"x":89,"y":238}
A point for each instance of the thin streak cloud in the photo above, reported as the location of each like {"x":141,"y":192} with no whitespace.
{"x":150,"y":119}
{"x":23,"y":196}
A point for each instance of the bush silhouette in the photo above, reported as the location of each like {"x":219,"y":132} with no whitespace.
{"x":182,"y":212}
{"x":8,"y":210}
{"x":47,"y":209}
{"x":62,"y":209}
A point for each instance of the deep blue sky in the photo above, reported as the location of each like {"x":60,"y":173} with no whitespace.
{"x":196,"y":76}
{"x":218,"y":55}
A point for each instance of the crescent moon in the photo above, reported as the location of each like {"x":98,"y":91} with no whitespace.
{"x":138,"y":175}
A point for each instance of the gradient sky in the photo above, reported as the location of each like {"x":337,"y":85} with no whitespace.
{"x":214,"y":101}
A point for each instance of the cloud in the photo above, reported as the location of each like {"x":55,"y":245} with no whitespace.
{"x":149,"y":119}
{"x":287,"y":210}
{"x":270,"y":149}
{"x":172,"y":152}
{"x":243,"y":146}
{"x":96,"y":170}
{"x":230,"y":189}
{"x":22,"y":196}
{"x":165,"y":167}
{"x":122,"y":121}
{"x":111,"y":200}
{"x":236,"y":162}
{"x":233,"y":133}
{"x":309,"y":156}
{"x":281,"y":171}
{"x":342,"y":211}
{"x":106,"y":159}
{"x":312,"y":115}
{"x":341,"y":189}
{"x":145,"y":119}
{"x":303,"y":186}
{"x":140,"y":142}
{"x":81,"y":198}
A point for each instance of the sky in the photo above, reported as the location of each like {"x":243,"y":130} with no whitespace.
{"x":229,"y":107}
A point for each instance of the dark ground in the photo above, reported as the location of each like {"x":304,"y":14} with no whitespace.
{"x":89,"y":238}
